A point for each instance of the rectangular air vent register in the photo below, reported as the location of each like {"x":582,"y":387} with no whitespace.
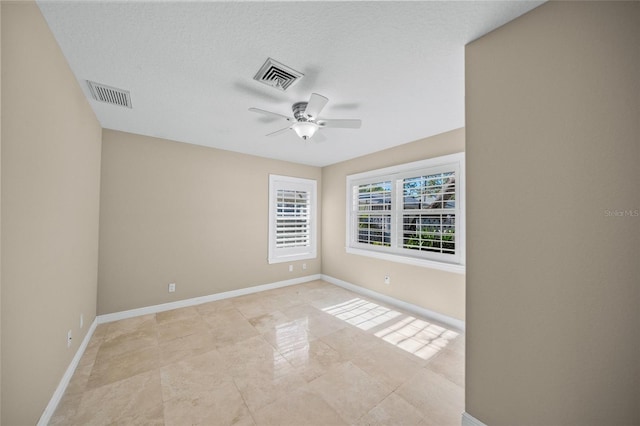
{"x":109,"y":95}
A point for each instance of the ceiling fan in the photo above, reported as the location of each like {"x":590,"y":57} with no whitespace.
{"x":305,"y":118}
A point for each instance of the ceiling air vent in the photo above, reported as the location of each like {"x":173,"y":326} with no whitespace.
{"x":109,"y":95}
{"x":277,"y":75}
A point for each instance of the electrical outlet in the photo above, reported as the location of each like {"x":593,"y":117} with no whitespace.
{"x":290,"y":268}
{"x":172,"y":287}
{"x":81,"y":321}
{"x":69,"y":339}
{"x":387,"y":279}
{"x":304,"y":266}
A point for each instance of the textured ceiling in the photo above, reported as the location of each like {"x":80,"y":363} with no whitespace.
{"x":398,"y":66}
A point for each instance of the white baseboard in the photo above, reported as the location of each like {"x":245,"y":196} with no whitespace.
{"x":418,"y":310}
{"x":469,"y":420}
{"x":202,"y":299}
{"x":64,"y":382}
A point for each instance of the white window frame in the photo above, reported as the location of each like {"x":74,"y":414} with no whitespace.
{"x":395,"y":252}
{"x":290,"y":254}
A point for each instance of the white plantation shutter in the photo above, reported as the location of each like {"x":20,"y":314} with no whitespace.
{"x":373,"y":205}
{"x":293,"y":219}
{"x":410,"y":213}
{"x":292,"y":222}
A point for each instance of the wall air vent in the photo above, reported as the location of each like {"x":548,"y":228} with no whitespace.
{"x":277,"y":75}
{"x":109,"y":95}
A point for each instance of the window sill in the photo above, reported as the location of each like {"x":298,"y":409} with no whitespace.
{"x":425,"y":263}
{"x":291,"y":258}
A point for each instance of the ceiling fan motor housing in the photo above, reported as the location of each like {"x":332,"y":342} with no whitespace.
{"x":299,"y":109}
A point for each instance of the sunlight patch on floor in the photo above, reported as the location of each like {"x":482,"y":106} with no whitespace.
{"x":416,"y":336}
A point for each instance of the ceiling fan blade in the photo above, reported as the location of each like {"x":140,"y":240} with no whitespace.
{"x":315,"y":105}
{"x":319,"y":137}
{"x":279,"y":132}
{"x":271,"y":114}
{"x":344,"y":124}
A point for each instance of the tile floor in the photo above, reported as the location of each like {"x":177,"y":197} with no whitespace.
{"x":310,"y":354}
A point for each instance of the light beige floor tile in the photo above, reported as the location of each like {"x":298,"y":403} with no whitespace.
{"x":218,"y":305}
{"x":313,"y":359}
{"x":181,"y":327}
{"x":320,"y":324}
{"x":129,"y":325}
{"x":251,"y":297}
{"x":440,"y":401}
{"x":458,"y":344}
{"x":223,"y":317}
{"x":255,"y":308}
{"x":99,"y":333}
{"x":232,"y":333}
{"x":262,"y":388}
{"x":220,"y":406}
{"x":66,"y":411}
{"x":298,"y":408}
{"x":139,"y":338}
{"x":254,"y":356}
{"x":89,"y":355}
{"x":268,"y":322}
{"x":198,"y":374}
{"x":349,"y":390}
{"x":80,"y":378}
{"x":361,"y":313}
{"x":176,"y":314}
{"x":299,"y":311}
{"x":293,"y":363}
{"x":185,"y":347}
{"x":286,"y":300}
{"x":350,"y":342}
{"x":450,"y":364}
{"x":393,"y":410}
{"x":123,"y":366}
{"x":316,"y":284}
{"x":387,"y":365}
{"x":328,"y":296}
{"x":287,"y":337}
{"x":136,"y":400}
{"x":419,"y":349}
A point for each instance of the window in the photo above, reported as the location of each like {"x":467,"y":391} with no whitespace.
{"x":292,"y":219}
{"x":411,"y":213}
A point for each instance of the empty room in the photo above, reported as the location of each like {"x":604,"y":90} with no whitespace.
{"x":320,"y":213}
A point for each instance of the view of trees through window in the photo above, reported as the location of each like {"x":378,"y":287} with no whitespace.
{"x":374,"y":213}
{"x":428,"y":213}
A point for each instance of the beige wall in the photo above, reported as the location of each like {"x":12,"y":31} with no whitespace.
{"x":196,"y":216}
{"x":439,"y":291}
{"x":553,"y":279}
{"x":50,"y":206}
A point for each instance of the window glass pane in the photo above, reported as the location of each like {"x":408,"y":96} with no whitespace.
{"x":374,"y":229}
{"x":429,"y":232}
{"x":374,"y":196}
{"x":434,"y":191}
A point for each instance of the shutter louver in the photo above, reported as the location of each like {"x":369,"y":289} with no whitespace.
{"x":292,"y":218}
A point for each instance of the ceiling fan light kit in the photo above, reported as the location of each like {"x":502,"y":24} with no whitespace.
{"x":305,"y":129}
{"x":305,"y":118}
